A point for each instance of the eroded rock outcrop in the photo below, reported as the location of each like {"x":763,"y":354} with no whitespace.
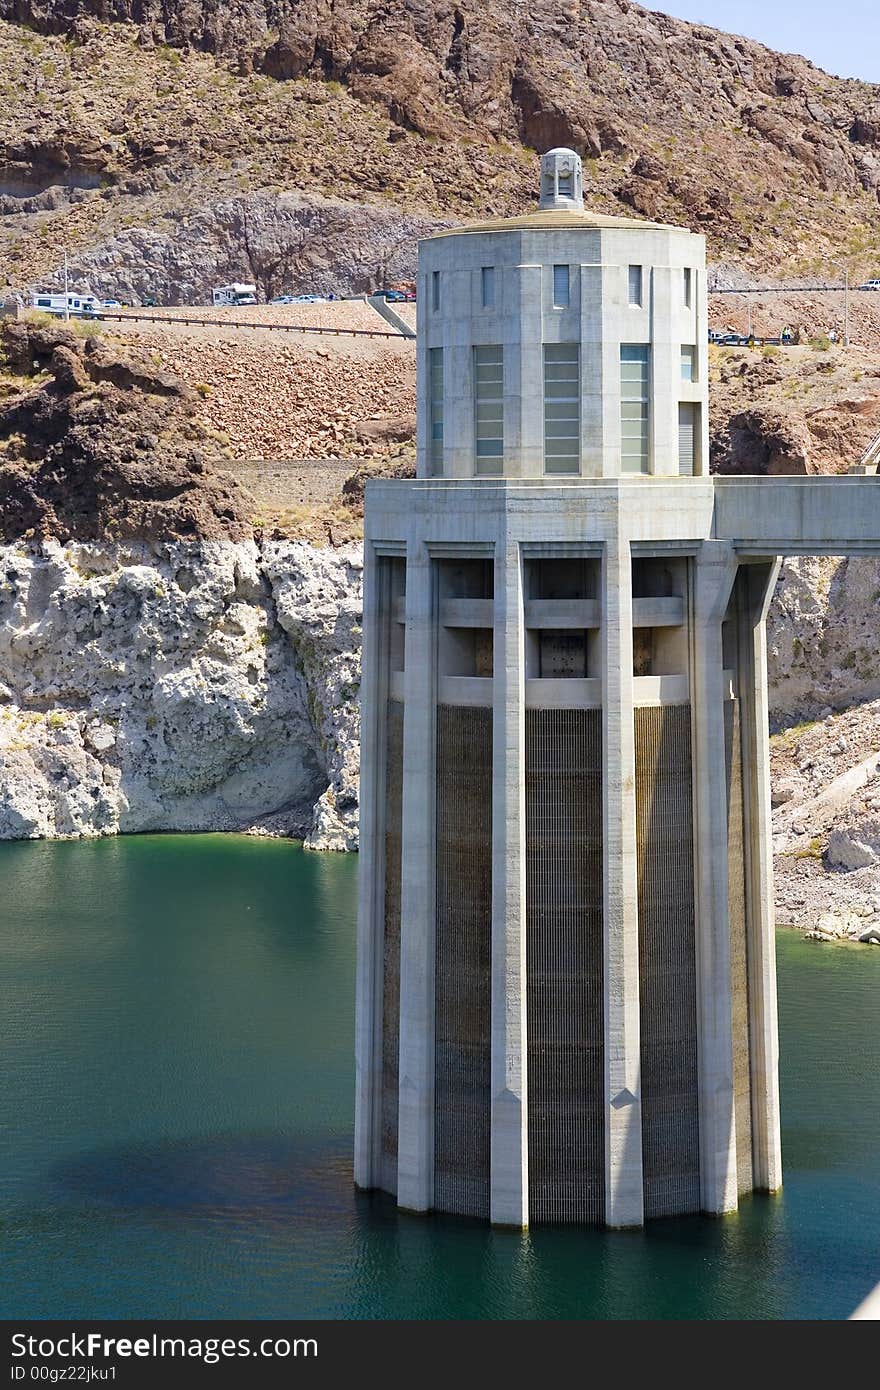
{"x":174,"y":685}
{"x":105,"y":447}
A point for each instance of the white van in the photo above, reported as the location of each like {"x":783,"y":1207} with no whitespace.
{"x":870,"y":285}
{"x":234,"y":294}
{"x":74,"y":304}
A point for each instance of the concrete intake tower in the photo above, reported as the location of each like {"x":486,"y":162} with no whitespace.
{"x":566,"y":979}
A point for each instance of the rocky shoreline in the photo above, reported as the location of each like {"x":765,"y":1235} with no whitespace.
{"x":179,"y":686}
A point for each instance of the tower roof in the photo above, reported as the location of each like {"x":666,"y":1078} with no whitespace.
{"x":560,"y":207}
{"x":553,"y":220}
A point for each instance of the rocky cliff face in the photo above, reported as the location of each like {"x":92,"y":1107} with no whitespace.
{"x":429,"y":106}
{"x":823,"y":637}
{"x":179,"y":686}
{"x":277,"y":242}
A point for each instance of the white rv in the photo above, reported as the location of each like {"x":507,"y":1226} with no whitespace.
{"x":74,"y":304}
{"x":235,"y":294}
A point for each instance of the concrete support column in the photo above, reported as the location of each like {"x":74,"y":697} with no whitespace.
{"x":370,"y":928}
{"x":665,"y":370}
{"x":760,"y":581}
{"x":593,"y":380}
{"x":524,"y":413}
{"x":624,"y":1197}
{"x":509,"y":1148}
{"x":415,"y":1149}
{"x":714,"y":572}
{"x":458,"y":384}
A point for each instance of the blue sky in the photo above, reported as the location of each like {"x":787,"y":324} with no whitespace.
{"x":842,"y":38}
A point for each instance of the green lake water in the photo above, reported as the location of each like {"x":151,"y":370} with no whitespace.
{"x":176,"y":1032}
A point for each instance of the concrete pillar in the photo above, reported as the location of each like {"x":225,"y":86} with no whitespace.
{"x":458,"y":413}
{"x":701,"y":310}
{"x":509,"y":1149}
{"x":624,"y":1197}
{"x":415,"y":1152}
{"x":370,"y":928}
{"x":609,"y":347}
{"x":665,"y":370}
{"x":760,"y":581}
{"x":524,"y":416}
{"x":593,"y":364}
{"x":714,"y":572}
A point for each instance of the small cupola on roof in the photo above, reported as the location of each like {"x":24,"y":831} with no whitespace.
{"x":562,"y":181}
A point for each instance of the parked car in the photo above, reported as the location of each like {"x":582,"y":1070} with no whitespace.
{"x":870,"y":285}
{"x":391,"y":296}
{"x":282,"y":299}
{"x":112,"y":304}
{"x":307,"y":299}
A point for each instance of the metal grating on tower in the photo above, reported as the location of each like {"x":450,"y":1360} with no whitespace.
{"x":667,"y":961}
{"x":565,"y":965}
{"x":462,"y":1041}
{"x":391,"y":945}
{"x":739,"y":966}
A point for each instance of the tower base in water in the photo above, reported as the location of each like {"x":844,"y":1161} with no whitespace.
{"x":566,"y":992}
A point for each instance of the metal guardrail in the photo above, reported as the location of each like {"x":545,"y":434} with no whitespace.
{"x":792,"y":289}
{"x":190,"y":321}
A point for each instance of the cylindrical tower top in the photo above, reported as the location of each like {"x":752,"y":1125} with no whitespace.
{"x":562,"y":181}
{"x":562,"y":342}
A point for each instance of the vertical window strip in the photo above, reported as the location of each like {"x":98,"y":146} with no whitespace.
{"x":435,"y":290}
{"x":435,"y":411}
{"x":688,"y":362}
{"x":688,"y":437}
{"x":688,"y":285}
{"x":561,"y":287}
{"x":489,"y":409}
{"x":634,"y":408}
{"x":635,"y":284}
{"x":487,"y":286}
{"x":562,"y":408}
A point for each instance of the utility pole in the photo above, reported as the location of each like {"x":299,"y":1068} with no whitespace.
{"x":846,"y":306}
{"x":66,"y":300}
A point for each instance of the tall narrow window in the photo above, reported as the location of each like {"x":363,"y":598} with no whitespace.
{"x":634,"y":408}
{"x":561,"y":287}
{"x":487,"y":286}
{"x":688,"y":285}
{"x":489,"y":408}
{"x":435,"y":411}
{"x":688,"y":363}
{"x":435,"y":289}
{"x":562,"y":408}
{"x":688,"y":437}
{"x":635,"y":284}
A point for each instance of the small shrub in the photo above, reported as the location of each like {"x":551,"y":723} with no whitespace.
{"x":822,"y":343}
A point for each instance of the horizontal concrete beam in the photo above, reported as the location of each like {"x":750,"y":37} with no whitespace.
{"x":464,"y":690}
{"x":467,"y":612}
{"x":761,"y":517}
{"x":658,"y":612}
{"x":799,"y":516}
{"x":563,"y":692}
{"x":557,"y":613}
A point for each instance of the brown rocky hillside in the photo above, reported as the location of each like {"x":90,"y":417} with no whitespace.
{"x":306,"y":145}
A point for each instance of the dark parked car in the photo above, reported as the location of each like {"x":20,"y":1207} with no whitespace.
{"x":391,"y":296}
